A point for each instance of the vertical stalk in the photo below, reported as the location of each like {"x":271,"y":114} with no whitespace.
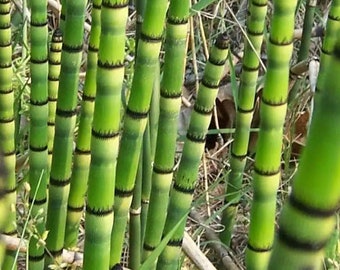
{"x":268,"y":155}
{"x":307,"y":219}
{"x":53,"y":84}
{"x":135,"y":119}
{"x":105,"y":135}
{"x":82,"y":153}
{"x":38,"y":154}
{"x":182,"y":191}
{"x":246,"y":100}
{"x":7,"y":126}
{"x":170,"y":103}
{"x":65,"y":122}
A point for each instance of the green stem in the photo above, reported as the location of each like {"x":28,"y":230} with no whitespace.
{"x":182,"y":191}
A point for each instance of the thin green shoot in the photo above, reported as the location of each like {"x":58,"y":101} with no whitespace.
{"x":27,"y":220}
{"x":234,"y":87}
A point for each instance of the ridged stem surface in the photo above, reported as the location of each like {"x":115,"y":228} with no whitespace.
{"x":183,"y":188}
{"x":273,"y":107}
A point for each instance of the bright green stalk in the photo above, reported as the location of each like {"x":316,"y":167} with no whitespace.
{"x":105,"y":135}
{"x":135,"y":218}
{"x":82,"y":154}
{"x":268,"y":155}
{"x":53,"y":83}
{"x":182,"y":191}
{"x":305,"y":42}
{"x":245,"y":102}
{"x":7,"y":129}
{"x":307,"y":219}
{"x":170,"y":103}
{"x":135,"y":119}
{"x":65,"y":122}
{"x":4,"y":206}
{"x":332,"y":27}
{"x":63,"y":15}
{"x":38,"y":154}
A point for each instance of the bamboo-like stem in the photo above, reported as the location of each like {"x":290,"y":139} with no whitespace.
{"x":7,"y":129}
{"x":38,"y":149}
{"x":136,"y":118}
{"x":65,"y":123}
{"x":82,"y":153}
{"x":105,"y":135}
{"x":53,"y":84}
{"x":170,"y":103}
{"x":245,"y":109}
{"x":307,"y":219}
{"x":182,"y":191}
{"x":267,"y":166}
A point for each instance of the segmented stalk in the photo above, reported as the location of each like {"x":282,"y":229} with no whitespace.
{"x":245,"y":102}
{"x":105,"y":135}
{"x":135,"y":119}
{"x":307,"y":219}
{"x":267,"y":166}
{"x":170,"y":103}
{"x":53,"y":84}
{"x":82,"y":154}
{"x":182,"y":191}
{"x":65,"y":122}
{"x":7,"y":129}
{"x":332,"y":28}
{"x":38,"y":153}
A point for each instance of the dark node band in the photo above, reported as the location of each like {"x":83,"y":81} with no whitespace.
{"x":6,"y":65}
{"x":123,"y":193}
{"x":208,"y":84}
{"x":254,"y":33}
{"x":108,"y":4}
{"x":36,"y":258}
{"x":273,"y":103}
{"x":280,"y":43}
{"x":50,"y":124}
{"x":185,"y":190}
{"x":6,"y":121}
{"x":231,"y":204}
{"x":116,"y":267}
{"x":38,"y":24}
{"x":337,"y":51}
{"x":5,"y":11}
{"x":10,"y":233}
{"x":55,"y":48}
{"x":53,"y":78}
{"x":66,"y":113}
{"x":107,"y":65}
{"x":40,"y":148}
{"x":104,"y":134}
{"x":99,"y":212}
{"x":38,"y":202}
{"x":39,"y":102}
{"x":196,"y":138}
{"x":295,"y":243}
{"x":333,"y":17}
{"x":54,"y":253}
{"x":57,"y":35}
{"x":82,"y":151}
{"x":9,"y":190}
{"x":250,"y":69}
{"x":216,"y":62}
{"x":150,"y":39}
{"x":4,"y":45}
{"x":148,"y":247}
{"x":266,"y":173}
{"x":6,"y":25}
{"x":160,"y":170}
{"x":202,"y":110}
{"x":325,"y":51}
{"x":95,"y":6}
{"x":175,"y":242}
{"x":72,"y":49}
{"x":239,"y":157}
{"x":77,"y":209}
{"x":177,"y":21}
{"x":136,"y":115}
{"x":241,"y":110}
{"x":59,"y":183}
{"x":310,"y":210}
{"x":11,"y":152}
{"x":167,"y":94}
{"x":258,"y":249}
{"x":93,"y":48}
{"x":257,"y":4}
{"x":54,"y":62}
{"x":88,"y":98}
